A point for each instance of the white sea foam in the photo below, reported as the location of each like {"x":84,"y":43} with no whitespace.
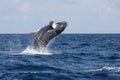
{"x":30,"y":51}
{"x":106,"y":69}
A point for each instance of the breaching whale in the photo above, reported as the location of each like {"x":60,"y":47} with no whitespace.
{"x":47,"y":33}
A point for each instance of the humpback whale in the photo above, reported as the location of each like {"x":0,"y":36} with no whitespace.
{"x":47,"y":33}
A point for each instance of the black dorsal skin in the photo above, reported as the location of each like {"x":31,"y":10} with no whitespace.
{"x":47,"y":33}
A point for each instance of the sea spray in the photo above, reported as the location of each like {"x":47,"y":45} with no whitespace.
{"x":30,"y":51}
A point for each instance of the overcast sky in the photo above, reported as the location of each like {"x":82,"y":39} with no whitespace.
{"x":83,"y":16}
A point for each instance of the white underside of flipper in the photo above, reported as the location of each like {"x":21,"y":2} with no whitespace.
{"x":54,"y":25}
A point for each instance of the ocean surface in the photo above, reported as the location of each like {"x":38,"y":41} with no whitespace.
{"x":67,"y":57}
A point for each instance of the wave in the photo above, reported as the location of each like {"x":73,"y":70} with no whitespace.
{"x":106,"y":69}
{"x":9,"y":52}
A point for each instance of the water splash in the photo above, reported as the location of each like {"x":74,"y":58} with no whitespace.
{"x":30,"y":51}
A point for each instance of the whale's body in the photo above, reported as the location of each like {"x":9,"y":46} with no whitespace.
{"x":45,"y":34}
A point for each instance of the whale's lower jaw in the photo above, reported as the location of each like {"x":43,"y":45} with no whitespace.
{"x":39,"y":46}
{"x":39,"y":49}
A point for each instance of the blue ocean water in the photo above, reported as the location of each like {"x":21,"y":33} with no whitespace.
{"x":72,"y":57}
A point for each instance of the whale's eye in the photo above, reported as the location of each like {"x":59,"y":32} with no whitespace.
{"x":54,"y":25}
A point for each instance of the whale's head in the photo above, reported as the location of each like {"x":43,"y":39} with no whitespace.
{"x":60,"y":26}
{"x":47,"y":33}
{"x":56,"y":28}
